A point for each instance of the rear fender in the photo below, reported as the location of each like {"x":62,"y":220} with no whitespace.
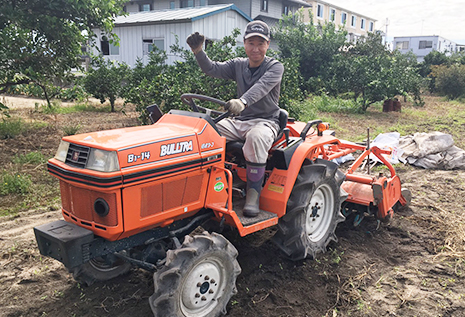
{"x":279,"y":185}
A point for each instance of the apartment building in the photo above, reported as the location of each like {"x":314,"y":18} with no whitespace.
{"x":356,"y":24}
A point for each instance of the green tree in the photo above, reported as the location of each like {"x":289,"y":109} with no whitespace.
{"x":106,"y":79}
{"x":313,"y":46}
{"x":41,"y":39}
{"x":369,"y":72}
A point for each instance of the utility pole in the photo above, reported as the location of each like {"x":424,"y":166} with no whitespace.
{"x":385,"y":34}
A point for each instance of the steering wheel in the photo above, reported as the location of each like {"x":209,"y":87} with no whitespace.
{"x":188,"y":99}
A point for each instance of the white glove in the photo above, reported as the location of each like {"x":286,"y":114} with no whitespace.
{"x":235,"y":106}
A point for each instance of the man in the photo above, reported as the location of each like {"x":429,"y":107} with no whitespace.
{"x":258,"y":79}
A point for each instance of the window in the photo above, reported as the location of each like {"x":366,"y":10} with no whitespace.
{"x":172,"y":5}
{"x":108,"y":48}
{"x":202,"y":3}
{"x":402,"y":45}
{"x":149,"y":44}
{"x":353,"y":22}
{"x":264,"y":6}
{"x":332,"y":15}
{"x":144,"y":7}
{"x":362,"y":24}
{"x":343,"y":18}
{"x":285,"y":9}
{"x":187,"y":3}
{"x":319,"y":11}
{"x":425,"y":44}
{"x":372,"y":26}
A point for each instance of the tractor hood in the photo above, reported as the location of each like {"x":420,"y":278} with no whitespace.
{"x":175,"y":140}
{"x":119,"y":139}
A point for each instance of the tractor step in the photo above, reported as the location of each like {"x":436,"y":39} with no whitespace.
{"x":261,"y":217}
{"x":248,"y":221}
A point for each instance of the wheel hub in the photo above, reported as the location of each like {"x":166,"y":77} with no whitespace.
{"x":319,"y":213}
{"x":202,"y":287}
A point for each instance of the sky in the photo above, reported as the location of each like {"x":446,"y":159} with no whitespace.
{"x":413,"y":17}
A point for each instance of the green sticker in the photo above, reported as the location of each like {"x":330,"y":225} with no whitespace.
{"x":219,"y":186}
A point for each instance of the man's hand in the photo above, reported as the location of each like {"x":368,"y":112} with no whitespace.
{"x":235,"y":106}
{"x":195,"y":41}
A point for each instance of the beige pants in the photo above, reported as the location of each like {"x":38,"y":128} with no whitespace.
{"x":259,"y":135}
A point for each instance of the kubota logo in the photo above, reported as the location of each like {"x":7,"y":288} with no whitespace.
{"x":175,"y":148}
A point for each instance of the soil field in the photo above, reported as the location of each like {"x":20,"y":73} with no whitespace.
{"x":411,"y":266}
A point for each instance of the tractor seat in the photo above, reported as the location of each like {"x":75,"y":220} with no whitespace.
{"x":235,"y":147}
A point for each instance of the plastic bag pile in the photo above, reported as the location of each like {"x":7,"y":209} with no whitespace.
{"x":433,"y":150}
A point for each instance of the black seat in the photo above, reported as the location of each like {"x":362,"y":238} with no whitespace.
{"x":234,"y":148}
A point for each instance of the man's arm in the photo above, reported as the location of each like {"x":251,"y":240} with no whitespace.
{"x":224,"y":70}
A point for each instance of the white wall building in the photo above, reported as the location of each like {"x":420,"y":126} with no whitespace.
{"x":139,"y":32}
{"x":423,"y":45}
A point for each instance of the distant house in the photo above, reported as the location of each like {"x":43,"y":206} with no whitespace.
{"x":356,"y":24}
{"x":139,"y":32}
{"x":158,"y":22}
{"x":423,"y":45}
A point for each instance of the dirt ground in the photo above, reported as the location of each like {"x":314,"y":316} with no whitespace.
{"x":412,"y":266}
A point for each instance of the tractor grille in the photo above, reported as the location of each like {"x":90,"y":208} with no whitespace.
{"x":77,"y":155}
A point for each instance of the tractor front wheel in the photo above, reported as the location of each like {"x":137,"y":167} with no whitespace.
{"x":198,"y":279}
{"x":313,"y":211}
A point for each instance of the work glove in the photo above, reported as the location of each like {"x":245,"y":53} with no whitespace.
{"x":195,"y":41}
{"x":235,"y":106}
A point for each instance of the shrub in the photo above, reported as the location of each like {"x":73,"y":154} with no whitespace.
{"x":14,"y":183}
{"x":105,"y":80}
{"x":450,"y":80}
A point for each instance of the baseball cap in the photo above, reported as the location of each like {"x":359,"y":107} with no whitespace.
{"x":257,"y":28}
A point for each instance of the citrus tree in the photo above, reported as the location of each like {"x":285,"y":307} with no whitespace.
{"x":41,"y":40}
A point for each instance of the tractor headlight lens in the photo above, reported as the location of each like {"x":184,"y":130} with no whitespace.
{"x":103,"y":161}
{"x":62,"y":151}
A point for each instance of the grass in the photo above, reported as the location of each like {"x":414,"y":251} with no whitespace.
{"x":33,"y":157}
{"x":57,"y":108}
{"x":438,"y":114}
{"x":71,"y":129}
{"x":11,"y":127}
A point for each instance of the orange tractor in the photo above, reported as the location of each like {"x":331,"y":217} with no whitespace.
{"x":134,"y":196}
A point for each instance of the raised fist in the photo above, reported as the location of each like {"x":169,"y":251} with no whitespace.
{"x":195,"y":41}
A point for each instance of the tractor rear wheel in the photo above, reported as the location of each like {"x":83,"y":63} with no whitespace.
{"x":99,"y":270}
{"x":313,"y":211}
{"x":198,"y":279}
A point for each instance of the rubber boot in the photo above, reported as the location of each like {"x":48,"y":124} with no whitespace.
{"x":255,"y":176}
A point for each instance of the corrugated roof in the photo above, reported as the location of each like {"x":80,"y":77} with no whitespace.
{"x":184,"y":14}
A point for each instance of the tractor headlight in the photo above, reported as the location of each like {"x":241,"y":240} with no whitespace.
{"x":62,"y":151}
{"x":103,"y":161}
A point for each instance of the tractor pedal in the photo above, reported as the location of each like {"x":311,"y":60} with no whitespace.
{"x":358,"y":218}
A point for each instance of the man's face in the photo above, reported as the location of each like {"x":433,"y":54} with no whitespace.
{"x":255,"y":48}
